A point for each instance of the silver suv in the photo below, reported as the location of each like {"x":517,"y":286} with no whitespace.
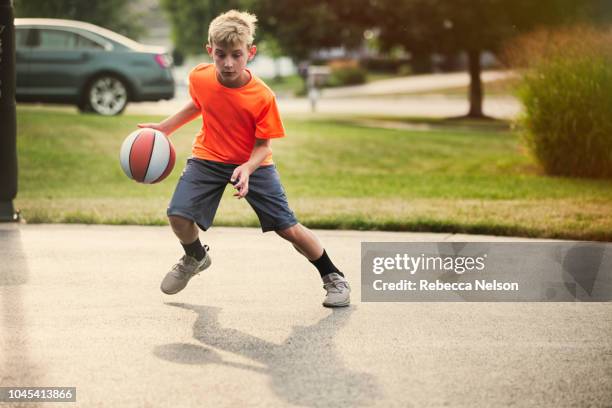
{"x":65,"y":61}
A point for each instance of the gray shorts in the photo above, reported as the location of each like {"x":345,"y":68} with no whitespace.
{"x":201,"y":187}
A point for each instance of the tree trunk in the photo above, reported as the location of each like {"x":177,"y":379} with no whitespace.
{"x":475,"y":85}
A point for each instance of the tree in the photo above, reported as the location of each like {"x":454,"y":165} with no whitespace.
{"x":115,"y":15}
{"x":471,"y":26}
{"x":190,"y":20}
{"x":303,"y":26}
{"x":298,"y":27}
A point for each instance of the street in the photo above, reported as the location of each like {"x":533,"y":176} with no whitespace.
{"x":389,"y":97}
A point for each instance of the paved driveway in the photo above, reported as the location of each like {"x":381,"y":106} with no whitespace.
{"x":80,"y":306}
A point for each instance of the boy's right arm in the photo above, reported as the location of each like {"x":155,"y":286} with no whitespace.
{"x":188,"y":113}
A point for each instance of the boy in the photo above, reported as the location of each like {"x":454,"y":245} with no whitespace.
{"x":239,"y":116}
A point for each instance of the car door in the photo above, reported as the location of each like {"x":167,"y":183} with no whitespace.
{"x":58,"y":61}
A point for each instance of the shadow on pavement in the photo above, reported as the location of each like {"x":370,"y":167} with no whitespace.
{"x":17,"y":368}
{"x":304,"y":370}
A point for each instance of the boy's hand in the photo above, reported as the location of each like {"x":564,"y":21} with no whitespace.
{"x":240,"y":180}
{"x":155,"y":126}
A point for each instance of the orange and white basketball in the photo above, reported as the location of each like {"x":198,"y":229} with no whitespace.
{"x":147,"y":156}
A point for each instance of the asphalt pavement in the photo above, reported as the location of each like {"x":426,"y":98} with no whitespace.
{"x":80,"y":306}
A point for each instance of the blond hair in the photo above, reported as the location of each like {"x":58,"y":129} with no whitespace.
{"x":232,"y":28}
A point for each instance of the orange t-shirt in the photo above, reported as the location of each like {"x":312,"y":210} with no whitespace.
{"x":232,"y":117}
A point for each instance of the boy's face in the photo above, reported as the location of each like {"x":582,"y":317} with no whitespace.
{"x":230,"y":62}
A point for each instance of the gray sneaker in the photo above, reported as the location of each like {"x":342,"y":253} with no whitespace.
{"x":338,"y":291}
{"x":185,"y":269}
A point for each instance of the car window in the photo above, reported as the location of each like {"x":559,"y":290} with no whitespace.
{"x":50,"y":39}
{"x":56,"y":40}
{"x":21,"y":37}
{"x":86,"y":43}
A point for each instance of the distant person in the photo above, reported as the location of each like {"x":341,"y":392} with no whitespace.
{"x":240,"y":117}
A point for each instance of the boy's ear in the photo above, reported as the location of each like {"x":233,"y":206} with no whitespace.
{"x":252,"y":52}
{"x":209,"y":49}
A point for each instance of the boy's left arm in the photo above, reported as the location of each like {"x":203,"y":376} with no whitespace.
{"x":241,"y":173}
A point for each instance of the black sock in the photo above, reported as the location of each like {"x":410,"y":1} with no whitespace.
{"x":195,"y":249}
{"x":325,"y":265}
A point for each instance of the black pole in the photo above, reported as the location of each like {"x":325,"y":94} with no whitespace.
{"x":8,"y":123}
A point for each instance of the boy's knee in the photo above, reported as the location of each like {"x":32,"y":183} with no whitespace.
{"x":178,"y":222}
{"x":291,"y":234}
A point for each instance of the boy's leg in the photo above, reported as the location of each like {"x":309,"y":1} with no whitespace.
{"x":303,"y":240}
{"x":187,"y":233}
{"x":267,"y":197}
{"x":184,"y":229}
{"x":194,"y":203}
{"x":195,"y":260}
{"x":306,"y":243}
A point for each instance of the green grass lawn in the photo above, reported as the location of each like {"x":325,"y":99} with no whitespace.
{"x":337,"y":173}
{"x":288,"y":86}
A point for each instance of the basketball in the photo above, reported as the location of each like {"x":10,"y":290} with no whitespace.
{"x":147,"y":156}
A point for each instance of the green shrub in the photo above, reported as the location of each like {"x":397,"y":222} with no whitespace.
{"x":566,"y":90}
{"x":343,"y":76}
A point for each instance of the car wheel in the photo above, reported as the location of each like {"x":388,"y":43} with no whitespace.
{"x":106,"y":95}
{"x":84,"y":107}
